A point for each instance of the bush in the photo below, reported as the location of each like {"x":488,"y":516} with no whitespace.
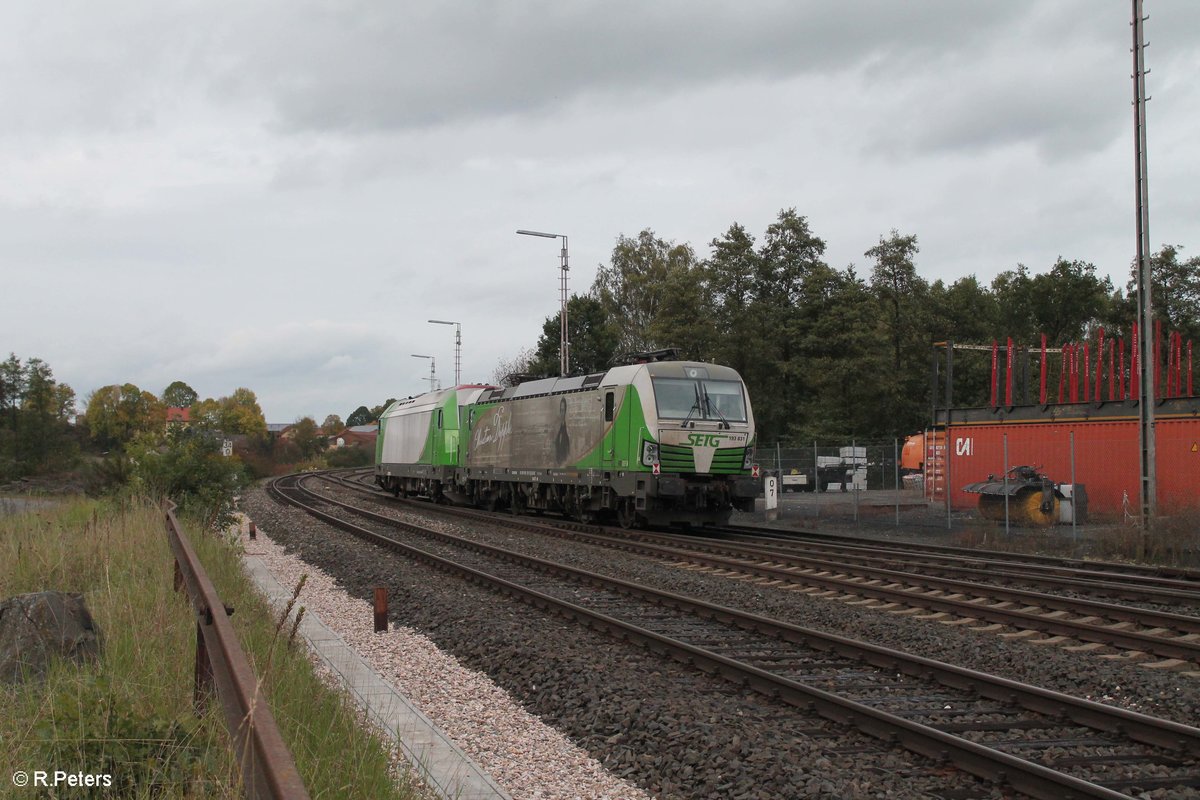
{"x":106,"y":475}
{"x":348,"y":457}
{"x":190,"y":470}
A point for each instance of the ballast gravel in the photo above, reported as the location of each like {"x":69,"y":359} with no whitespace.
{"x":674,"y":731}
{"x":524,"y":755}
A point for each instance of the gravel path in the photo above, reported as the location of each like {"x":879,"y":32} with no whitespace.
{"x":524,"y":755}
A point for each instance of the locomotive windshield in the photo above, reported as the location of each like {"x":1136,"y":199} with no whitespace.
{"x":683,"y":398}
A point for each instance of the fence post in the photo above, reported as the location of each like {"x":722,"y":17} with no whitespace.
{"x":1007,"y":531}
{"x":816,"y":469}
{"x":381,"y":609}
{"x":854,"y":476}
{"x":946,"y":471}
{"x":203,"y":684}
{"x":1074,"y":495}
{"x":896,"y":476}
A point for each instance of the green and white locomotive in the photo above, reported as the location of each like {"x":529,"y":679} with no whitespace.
{"x":663,"y":442}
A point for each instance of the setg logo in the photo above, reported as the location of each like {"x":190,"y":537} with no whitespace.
{"x":704,"y":440}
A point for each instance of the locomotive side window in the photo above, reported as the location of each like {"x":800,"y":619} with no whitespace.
{"x":608,"y":406}
{"x":439,"y":421}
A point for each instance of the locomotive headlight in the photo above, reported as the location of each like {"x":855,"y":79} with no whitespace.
{"x":749,"y":459}
{"x":649,"y":453}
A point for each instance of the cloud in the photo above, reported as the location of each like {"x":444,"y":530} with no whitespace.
{"x":358,"y":67}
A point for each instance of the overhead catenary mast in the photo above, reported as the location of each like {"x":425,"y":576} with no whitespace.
{"x":1145,"y":307}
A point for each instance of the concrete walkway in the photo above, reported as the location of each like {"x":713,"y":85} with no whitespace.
{"x":439,"y":762}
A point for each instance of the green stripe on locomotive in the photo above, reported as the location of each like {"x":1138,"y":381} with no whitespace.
{"x":442,"y":446}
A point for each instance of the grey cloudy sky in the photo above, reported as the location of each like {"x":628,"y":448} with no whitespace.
{"x":278,"y":195}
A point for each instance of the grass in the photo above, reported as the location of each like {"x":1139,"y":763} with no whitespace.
{"x":130,"y":714}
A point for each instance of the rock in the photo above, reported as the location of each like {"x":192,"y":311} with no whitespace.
{"x":36,"y":628}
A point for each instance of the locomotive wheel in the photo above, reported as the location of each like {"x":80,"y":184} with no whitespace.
{"x":626,"y":514}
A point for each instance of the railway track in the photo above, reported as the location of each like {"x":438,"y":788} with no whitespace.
{"x":1156,"y":639}
{"x":988,"y":726}
{"x":1098,"y":578}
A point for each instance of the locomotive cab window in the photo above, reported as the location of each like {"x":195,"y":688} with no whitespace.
{"x":681,"y":398}
{"x":439,"y":419}
{"x":609,"y":403}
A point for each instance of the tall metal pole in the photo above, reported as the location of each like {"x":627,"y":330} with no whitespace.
{"x":564,"y":349}
{"x":457,"y":347}
{"x":432,"y":371}
{"x":1145,"y":306}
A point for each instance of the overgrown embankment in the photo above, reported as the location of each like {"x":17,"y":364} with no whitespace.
{"x":130,"y":714}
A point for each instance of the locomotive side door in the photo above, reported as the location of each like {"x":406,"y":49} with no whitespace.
{"x":611,"y":441}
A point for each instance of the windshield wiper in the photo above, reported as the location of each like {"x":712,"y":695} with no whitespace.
{"x":695,"y":407}
{"x":713,"y":409}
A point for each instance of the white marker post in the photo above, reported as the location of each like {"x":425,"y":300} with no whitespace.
{"x":771,"y":495}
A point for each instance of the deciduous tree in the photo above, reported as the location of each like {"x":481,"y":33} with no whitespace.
{"x":593,"y":339}
{"x":307,"y":437}
{"x":634,"y":287}
{"x":115,"y":414}
{"x":179,"y":395}
{"x":359,"y":416}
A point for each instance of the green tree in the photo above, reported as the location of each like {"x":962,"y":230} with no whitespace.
{"x":377,"y":411}
{"x":1065,"y":303}
{"x":332,"y":424}
{"x":179,"y":395}
{"x":965,"y":312}
{"x":307,"y":437}
{"x":792,"y":286}
{"x":241,"y":414}
{"x":903,"y":299}
{"x":729,"y":274}
{"x":359,"y":416}
{"x":593,"y":339}
{"x":35,"y":412}
{"x":634,"y":287}
{"x":898,"y":288}
{"x":1174,"y":295}
{"x":115,"y":414}
{"x":12,"y":389}
{"x":848,"y":396}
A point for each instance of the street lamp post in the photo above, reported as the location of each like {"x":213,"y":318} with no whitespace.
{"x":564,"y":357}
{"x":457,"y":347}
{"x":432,"y":371}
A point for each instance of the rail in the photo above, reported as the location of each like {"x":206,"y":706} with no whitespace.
{"x":268,"y":768}
{"x":980,"y":759}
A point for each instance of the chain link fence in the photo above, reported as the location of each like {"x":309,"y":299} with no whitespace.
{"x":1059,"y":488}
{"x":860,"y":482}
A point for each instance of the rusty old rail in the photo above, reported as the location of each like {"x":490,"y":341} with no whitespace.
{"x":268,"y":769}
